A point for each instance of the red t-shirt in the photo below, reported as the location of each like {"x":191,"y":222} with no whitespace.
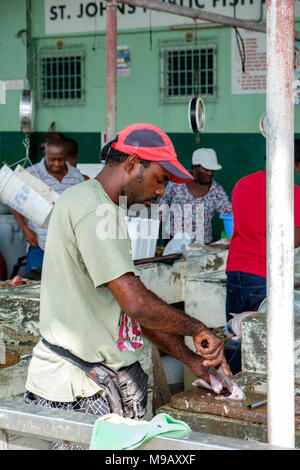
{"x":247,"y":252}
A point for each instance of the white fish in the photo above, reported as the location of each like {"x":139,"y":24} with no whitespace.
{"x":236,"y":393}
{"x":217,"y":386}
{"x":201,"y":383}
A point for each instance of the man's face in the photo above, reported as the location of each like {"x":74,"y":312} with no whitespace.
{"x":202,"y":175}
{"x":55,"y":159}
{"x":147,"y":185}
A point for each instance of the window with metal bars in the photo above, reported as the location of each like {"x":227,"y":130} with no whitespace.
{"x":60,"y":79}
{"x":187,"y":71}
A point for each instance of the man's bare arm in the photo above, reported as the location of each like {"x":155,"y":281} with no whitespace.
{"x":154,"y":314}
{"x":175,"y":346}
{"x":30,"y":235}
{"x":149,"y":310}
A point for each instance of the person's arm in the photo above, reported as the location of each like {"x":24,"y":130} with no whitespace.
{"x":175,"y":346}
{"x":30,"y":235}
{"x":223,"y":204}
{"x":166,"y":321}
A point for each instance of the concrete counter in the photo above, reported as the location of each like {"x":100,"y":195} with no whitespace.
{"x":198,"y":282}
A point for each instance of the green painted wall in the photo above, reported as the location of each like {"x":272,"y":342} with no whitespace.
{"x":138,"y":95}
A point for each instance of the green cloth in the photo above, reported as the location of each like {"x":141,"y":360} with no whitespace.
{"x":120,"y":435}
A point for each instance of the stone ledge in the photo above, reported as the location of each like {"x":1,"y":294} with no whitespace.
{"x":254,"y":345}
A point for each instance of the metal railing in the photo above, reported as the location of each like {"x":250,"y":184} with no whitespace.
{"x":30,"y":427}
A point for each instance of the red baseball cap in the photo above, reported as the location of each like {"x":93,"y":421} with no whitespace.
{"x":148,"y":142}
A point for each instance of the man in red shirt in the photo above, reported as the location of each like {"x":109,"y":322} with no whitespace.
{"x":246,"y":264}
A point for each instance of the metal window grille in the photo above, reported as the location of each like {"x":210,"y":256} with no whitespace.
{"x":60,"y":78}
{"x":188,"y":71}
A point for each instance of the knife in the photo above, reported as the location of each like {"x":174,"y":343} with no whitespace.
{"x":219,"y":373}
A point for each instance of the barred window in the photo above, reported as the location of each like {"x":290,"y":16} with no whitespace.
{"x":187,"y":71}
{"x":60,"y":78}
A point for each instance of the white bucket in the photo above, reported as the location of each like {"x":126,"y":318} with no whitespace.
{"x":27,"y":194}
{"x":143,"y":234}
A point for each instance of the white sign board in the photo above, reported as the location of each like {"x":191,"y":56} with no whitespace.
{"x":17,"y":84}
{"x":78,"y":16}
{"x":6,"y":85}
{"x":253,"y":79}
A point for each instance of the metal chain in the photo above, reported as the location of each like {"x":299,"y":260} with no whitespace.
{"x":26,"y":143}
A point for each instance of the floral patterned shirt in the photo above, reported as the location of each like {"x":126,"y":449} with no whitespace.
{"x":192,"y":215}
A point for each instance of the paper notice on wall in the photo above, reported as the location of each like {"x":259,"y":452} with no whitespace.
{"x":251,"y":80}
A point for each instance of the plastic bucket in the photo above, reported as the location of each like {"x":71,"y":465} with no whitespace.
{"x":27,"y":194}
{"x":228,"y":223}
{"x":143,"y":235}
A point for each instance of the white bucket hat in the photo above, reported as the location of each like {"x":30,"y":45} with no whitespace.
{"x":206,"y":158}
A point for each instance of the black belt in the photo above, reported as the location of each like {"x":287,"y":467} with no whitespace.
{"x":125,"y":390}
{"x":102,"y":375}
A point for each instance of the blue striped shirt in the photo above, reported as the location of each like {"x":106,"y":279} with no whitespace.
{"x":70,"y":179}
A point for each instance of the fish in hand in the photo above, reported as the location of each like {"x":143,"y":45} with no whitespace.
{"x":234,"y":393}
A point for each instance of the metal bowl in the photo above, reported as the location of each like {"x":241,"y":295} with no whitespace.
{"x":26,"y":111}
{"x":263,"y":124}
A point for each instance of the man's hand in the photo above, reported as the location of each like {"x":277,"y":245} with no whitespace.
{"x":211,"y":349}
{"x":30,"y":237}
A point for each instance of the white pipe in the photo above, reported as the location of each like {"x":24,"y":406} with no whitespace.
{"x":280,"y":222}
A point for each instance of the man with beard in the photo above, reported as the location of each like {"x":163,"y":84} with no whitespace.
{"x":94,"y":308}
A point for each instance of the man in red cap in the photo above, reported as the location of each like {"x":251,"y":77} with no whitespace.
{"x":94,"y":307}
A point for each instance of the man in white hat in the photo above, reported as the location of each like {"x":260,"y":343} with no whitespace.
{"x":202,"y":193}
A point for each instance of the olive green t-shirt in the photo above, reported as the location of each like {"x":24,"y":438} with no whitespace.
{"x":87,"y":246}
